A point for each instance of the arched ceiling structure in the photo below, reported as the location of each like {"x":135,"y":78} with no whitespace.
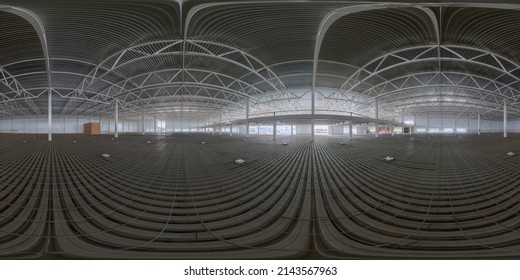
{"x":160,"y":56}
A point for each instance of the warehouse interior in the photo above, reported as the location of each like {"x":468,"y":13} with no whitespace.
{"x":204,"y":129}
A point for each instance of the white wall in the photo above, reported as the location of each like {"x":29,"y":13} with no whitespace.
{"x":459,"y":124}
{"x":69,"y":125}
{"x":75,"y":125}
{"x":303,"y":129}
{"x":337,"y":129}
{"x":513,"y":126}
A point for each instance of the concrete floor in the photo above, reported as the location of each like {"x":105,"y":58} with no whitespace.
{"x":175,"y":198}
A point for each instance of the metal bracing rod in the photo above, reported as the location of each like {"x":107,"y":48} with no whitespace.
{"x":206,"y":53}
{"x":14,"y":108}
{"x":215,"y":102}
{"x":405,"y":95}
{"x":454,"y":49}
{"x":13,"y":84}
{"x":38,"y":25}
{"x":363,"y":81}
{"x":248,"y":57}
{"x":120,"y":85}
{"x":413,"y":81}
{"x":180,"y":85}
{"x":134,"y":105}
{"x":498,"y":91}
{"x":92,"y":74}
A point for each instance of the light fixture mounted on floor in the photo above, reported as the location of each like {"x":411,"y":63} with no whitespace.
{"x":389,"y":158}
{"x":240,"y":161}
{"x":105,"y":155}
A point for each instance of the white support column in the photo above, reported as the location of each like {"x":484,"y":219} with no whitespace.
{"x":455,"y":123}
{"x":142,"y":122}
{"x":50,"y":114}
{"x":428,"y":123}
{"x":442,"y":122}
{"x":116,"y":134}
{"x":402,"y":122}
{"x":350,"y":127}
{"x":220,"y":124}
{"x":467,"y":130}
{"x":377,"y":117}
{"x":313,"y":106}
{"x":181,"y":119}
{"x":155,"y":124}
{"x":292,"y":126}
{"x":274,"y":126}
{"x":247,"y":117}
{"x":414,"y":123}
{"x":505,"y":118}
{"x":393,"y":126}
{"x":478,"y":124}
{"x":230,"y":129}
